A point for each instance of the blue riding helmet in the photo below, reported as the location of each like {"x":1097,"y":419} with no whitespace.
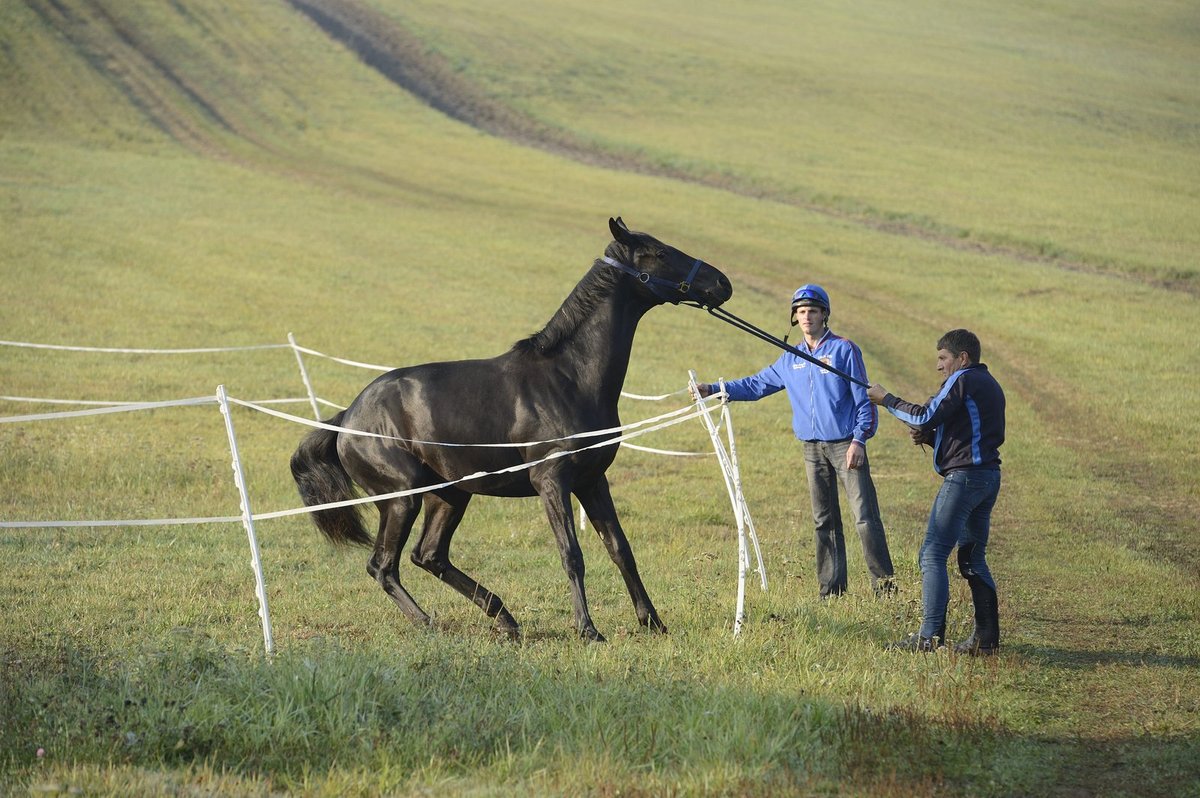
{"x":810,"y":295}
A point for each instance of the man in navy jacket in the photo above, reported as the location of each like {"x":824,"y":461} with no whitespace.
{"x":834,"y":419}
{"x":964,"y":421}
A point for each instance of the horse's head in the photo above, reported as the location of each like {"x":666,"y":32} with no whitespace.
{"x":665,"y":274}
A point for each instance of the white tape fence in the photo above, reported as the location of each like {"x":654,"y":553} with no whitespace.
{"x":703,"y":409}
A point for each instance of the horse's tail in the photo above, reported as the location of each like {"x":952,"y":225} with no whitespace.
{"x":322,"y":479}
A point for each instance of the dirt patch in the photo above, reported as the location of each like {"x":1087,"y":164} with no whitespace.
{"x":387,"y":47}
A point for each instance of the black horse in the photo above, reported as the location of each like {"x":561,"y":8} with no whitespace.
{"x":555,"y":384}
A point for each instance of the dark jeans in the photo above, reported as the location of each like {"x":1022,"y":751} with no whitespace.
{"x":825,"y":462}
{"x":961,"y":515}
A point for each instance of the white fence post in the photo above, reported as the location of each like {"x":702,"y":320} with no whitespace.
{"x":248,"y":521}
{"x":312,"y":397}
{"x":727,"y":417}
{"x":741,"y":511}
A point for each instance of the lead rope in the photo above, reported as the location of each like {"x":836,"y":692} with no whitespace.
{"x":685,"y":287}
{"x":745,"y":326}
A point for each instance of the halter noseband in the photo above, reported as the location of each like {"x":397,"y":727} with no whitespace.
{"x":657,"y":284}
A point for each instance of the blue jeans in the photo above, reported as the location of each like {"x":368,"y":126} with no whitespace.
{"x":961,"y":516}
{"x":825,"y":463}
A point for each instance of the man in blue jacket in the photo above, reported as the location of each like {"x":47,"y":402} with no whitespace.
{"x":964,"y":421}
{"x":834,"y":419}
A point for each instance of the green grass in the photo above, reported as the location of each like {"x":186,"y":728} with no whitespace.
{"x":176,"y":176}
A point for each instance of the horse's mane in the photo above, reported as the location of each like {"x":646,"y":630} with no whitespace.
{"x":595,"y":286}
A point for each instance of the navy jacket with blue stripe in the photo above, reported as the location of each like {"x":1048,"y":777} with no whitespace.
{"x":966,"y":416}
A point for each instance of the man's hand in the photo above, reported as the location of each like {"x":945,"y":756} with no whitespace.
{"x":856,"y":455}
{"x":876,"y":393}
{"x":700,"y":391}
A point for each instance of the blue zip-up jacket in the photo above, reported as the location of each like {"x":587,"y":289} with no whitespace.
{"x":825,"y":407}
{"x":966,"y":416}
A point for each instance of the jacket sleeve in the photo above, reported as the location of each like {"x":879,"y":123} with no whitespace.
{"x":866,"y":415}
{"x":756,"y":386}
{"x":930,"y":415}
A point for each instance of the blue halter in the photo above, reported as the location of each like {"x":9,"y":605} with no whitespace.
{"x":657,"y":285}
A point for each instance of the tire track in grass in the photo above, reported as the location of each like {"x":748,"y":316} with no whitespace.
{"x":124,"y":60}
{"x":383,"y":44}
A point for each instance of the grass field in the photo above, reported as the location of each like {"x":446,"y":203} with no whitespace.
{"x":190,"y":174}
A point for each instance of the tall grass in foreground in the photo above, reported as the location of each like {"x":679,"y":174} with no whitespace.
{"x":641,"y":714}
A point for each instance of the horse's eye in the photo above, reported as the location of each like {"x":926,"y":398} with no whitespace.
{"x":660,"y":253}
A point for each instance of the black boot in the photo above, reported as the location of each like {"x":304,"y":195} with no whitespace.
{"x":970,"y":646}
{"x":985,"y":637}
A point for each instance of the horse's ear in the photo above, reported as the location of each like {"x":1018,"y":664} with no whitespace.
{"x":619,"y":231}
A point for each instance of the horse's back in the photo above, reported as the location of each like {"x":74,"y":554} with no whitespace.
{"x":433,"y":412}
{"x":439,"y":398}
{"x":430,"y":415}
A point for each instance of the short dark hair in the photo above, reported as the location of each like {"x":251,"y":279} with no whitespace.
{"x":958,"y":341}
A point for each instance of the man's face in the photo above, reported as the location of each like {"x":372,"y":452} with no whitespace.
{"x":947,"y":363}
{"x":810,"y":318}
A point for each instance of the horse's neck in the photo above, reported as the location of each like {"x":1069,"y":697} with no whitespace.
{"x":605,"y":344}
{"x":591,"y":336}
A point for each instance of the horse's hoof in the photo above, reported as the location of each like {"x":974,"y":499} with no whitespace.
{"x":510,"y":632}
{"x":592,"y":636}
{"x":655,"y":625}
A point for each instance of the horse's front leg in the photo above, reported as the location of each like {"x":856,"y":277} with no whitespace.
{"x":598,"y":504}
{"x":557,"y":501}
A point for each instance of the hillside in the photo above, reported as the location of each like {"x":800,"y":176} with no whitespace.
{"x":1073,"y":143}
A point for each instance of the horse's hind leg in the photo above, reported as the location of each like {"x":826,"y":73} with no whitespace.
{"x":557,"y":502}
{"x":598,"y":504}
{"x":443,"y":511}
{"x":396,"y":519}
